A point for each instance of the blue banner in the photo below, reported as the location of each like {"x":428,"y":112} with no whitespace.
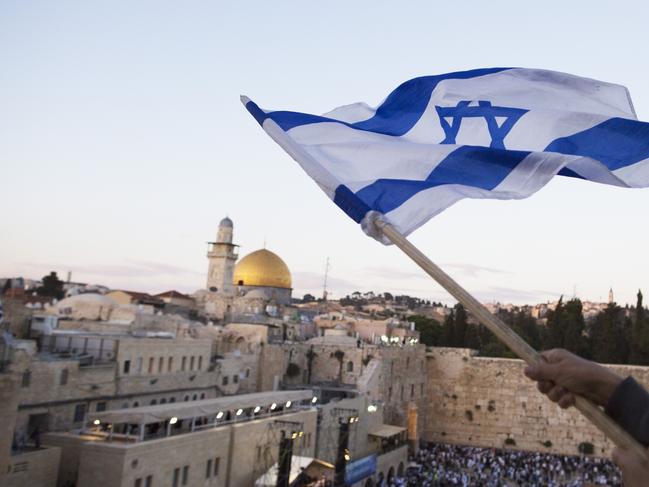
{"x":359,"y":469}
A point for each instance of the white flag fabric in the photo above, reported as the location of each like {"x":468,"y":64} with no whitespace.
{"x":486,"y":133}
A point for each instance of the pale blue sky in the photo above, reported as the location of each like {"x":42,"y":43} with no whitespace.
{"x":123,"y":141}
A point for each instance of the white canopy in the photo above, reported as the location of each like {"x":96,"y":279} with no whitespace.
{"x":195,"y":409}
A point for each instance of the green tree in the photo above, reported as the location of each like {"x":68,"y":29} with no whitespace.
{"x":608,"y":336}
{"x":555,"y":327}
{"x":523,"y":324}
{"x":461,"y":326}
{"x":639,"y":341}
{"x":430,"y":331}
{"x":449,"y":330}
{"x":52,"y":286}
{"x":574,"y":338}
{"x":566,"y":328}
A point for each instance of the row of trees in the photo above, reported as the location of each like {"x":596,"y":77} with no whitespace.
{"x":616,"y":335}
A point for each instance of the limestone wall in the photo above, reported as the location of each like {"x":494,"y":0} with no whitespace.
{"x":17,"y":317}
{"x":404,"y":381}
{"x":489,"y":402}
{"x":37,"y":468}
{"x":8,"y":404}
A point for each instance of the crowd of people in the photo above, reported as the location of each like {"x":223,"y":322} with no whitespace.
{"x":438,"y":465}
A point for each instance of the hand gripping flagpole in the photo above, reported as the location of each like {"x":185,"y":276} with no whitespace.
{"x":508,"y":336}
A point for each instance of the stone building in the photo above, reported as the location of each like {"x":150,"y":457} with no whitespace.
{"x":24,"y":460}
{"x":229,"y":441}
{"x":78,"y":373}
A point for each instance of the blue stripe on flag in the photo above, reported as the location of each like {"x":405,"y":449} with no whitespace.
{"x":616,"y":143}
{"x":479,"y":167}
{"x":347,"y":201}
{"x":256,"y":112}
{"x":397,"y":114}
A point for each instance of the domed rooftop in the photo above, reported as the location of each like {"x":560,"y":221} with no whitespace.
{"x":262,"y":268}
{"x":226,"y":222}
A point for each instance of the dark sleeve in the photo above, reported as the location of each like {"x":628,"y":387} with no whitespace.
{"x":629,"y":407}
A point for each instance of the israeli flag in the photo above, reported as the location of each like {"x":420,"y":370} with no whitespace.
{"x":486,"y":133}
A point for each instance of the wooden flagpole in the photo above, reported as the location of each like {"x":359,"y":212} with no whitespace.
{"x":508,"y":336}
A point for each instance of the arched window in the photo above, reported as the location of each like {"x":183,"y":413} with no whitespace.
{"x":172,"y":399}
{"x":350,"y":366}
{"x":136,"y":404}
{"x":154,"y":402}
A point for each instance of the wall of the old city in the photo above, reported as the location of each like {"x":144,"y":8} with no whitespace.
{"x":489,"y":402}
{"x":404,"y":380}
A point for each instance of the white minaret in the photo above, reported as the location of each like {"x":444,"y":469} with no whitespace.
{"x":610,"y":296}
{"x":221,"y":256}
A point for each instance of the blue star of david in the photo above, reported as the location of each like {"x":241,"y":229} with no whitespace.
{"x":485,"y":110}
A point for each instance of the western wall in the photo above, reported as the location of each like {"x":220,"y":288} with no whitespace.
{"x":488,"y":402}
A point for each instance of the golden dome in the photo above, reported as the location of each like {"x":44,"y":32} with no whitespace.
{"x":262,"y":268}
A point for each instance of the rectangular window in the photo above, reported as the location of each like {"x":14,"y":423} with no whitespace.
{"x":170,"y":364}
{"x":79,"y":413}
{"x":421,"y":389}
{"x":64,"y":377}
{"x":176,"y":478}
{"x":185,"y":474}
{"x":150,"y":365}
{"x":101,"y":406}
{"x":216,"y":466}
{"x":208,"y":469}
{"x":149,"y":481}
{"x":390,"y":392}
{"x":138,"y":365}
{"x":27,"y":378}
{"x":235,"y":378}
{"x":161,"y":365}
{"x":225,"y":380}
{"x":200,"y":362}
{"x":183,"y":364}
{"x":412,"y":390}
{"x":127,"y":366}
{"x":191,"y":363}
{"x":138,"y":482}
{"x":247,"y":373}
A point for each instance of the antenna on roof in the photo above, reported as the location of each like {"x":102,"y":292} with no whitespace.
{"x":324,"y":286}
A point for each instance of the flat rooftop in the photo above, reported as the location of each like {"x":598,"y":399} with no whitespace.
{"x":205,"y":408}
